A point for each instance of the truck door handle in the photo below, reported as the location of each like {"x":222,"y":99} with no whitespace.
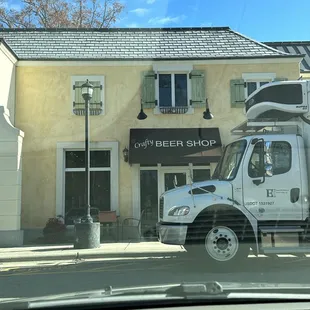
{"x":295,"y":192}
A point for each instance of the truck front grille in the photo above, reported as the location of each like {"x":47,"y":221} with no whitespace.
{"x":161,"y":207}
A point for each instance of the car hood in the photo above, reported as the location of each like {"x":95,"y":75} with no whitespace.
{"x":208,"y":290}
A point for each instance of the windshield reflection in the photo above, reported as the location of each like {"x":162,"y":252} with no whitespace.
{"x":228,"y":166}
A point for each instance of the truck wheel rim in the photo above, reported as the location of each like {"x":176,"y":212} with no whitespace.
{"x":221,"y":243}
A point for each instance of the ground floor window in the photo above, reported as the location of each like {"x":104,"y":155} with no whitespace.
{"x":148,"y":201}
{"x":100,"y":181}
{"x":201,"y":175}
{"x":100,"y":190}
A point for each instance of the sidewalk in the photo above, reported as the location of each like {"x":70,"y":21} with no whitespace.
{"x":67,"y":252}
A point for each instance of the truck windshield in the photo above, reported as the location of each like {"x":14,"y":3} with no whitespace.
{"x":230,"y":161}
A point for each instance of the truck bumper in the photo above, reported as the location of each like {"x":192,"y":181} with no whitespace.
{"x":171,"y":234}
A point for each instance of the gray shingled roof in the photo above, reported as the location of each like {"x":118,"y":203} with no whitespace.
{"x":104,"y":44}
{"x":295,"y":48}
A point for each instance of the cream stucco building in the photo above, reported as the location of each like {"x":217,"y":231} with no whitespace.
{"x":170,"y":73}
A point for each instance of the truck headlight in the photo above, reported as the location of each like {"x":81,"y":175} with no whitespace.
{"x":179,"y":211}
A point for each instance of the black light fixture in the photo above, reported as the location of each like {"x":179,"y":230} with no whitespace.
{"x":87,"y":90}
{"x":207,"y":114}
{"x":126,"y":154}
{"x":141,"y":116}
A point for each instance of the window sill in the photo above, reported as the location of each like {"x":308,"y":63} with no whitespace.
{"x":92,"y":112}
{"x":190,"y":110}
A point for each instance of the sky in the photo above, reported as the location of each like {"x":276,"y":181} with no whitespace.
{"x":262,"y":20}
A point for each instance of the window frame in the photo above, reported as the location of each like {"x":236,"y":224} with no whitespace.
{"x":173,"y":69}
{"x":62,"y":147}
{"x":80,"y":78}
{"x":261,"y":163}
{"x":262,"y":159}
{"x":257,"y":78}
{"x":291,"y":157}
{"x":91,"y":169}
{"x":172,"y":74}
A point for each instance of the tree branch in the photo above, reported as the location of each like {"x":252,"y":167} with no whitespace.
{"x":61,"y":13}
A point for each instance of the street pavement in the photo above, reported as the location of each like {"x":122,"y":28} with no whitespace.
{"x":94,"y":273}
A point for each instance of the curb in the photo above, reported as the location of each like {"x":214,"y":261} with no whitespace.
{"x":73,"y":256}
{"x":25,"y":269}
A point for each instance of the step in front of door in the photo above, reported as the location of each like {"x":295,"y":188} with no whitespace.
{"x":285,"y":250}
{"x":280,"y":229}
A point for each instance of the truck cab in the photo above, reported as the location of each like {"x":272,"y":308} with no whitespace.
{"x":258,"y":195}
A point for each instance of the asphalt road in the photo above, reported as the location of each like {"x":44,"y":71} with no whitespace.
{"x":146,"y":271}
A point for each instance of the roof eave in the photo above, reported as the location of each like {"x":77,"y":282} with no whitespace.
{"x":157,"y":29}
{"x":277,"y":43}
{"x":2,"y":41}
{"x":165,"y":59}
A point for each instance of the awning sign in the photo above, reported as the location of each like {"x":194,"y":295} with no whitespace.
{"x":174,"y":146}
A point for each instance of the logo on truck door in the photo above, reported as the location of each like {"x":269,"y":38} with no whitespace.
{"x":271,"y":192}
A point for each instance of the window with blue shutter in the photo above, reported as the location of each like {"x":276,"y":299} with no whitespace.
{"x":95,"y":104}
{"x":173,"y":92}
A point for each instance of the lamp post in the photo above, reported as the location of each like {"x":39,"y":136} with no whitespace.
{"x":87,"y":93}
{"x":87,"y":233}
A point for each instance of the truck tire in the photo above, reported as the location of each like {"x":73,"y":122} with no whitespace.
{"x":219,"y":245}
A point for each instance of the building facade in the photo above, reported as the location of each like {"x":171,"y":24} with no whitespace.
{"x":172,"y":74}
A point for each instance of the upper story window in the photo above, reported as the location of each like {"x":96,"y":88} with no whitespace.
{"x":251,"y":86}
{"x":241,"y":89}
{"x":96,"y":104}
{"x":253,"y":81}
{"x":173,"y":90}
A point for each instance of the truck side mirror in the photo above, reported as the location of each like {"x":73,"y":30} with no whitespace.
{"x":268,"y":159}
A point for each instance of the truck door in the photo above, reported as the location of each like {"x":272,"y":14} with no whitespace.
{"x":275,"y":197}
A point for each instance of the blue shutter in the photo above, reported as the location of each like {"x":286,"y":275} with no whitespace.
{"x":237,"y":96}
{"x":198,"y":86}
{"x":148,"y":89}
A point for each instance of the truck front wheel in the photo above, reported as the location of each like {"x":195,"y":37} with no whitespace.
{"x":220,"y":244}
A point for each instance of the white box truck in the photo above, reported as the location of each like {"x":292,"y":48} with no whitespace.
{"x":258,"y":197}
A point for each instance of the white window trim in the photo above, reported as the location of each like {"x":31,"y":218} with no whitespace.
{"x":172,"y":67}
{"x":189,"y":89}
{"x":257,"y":77}
{"x":78,"y":78}
{"x":113,"y":147}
